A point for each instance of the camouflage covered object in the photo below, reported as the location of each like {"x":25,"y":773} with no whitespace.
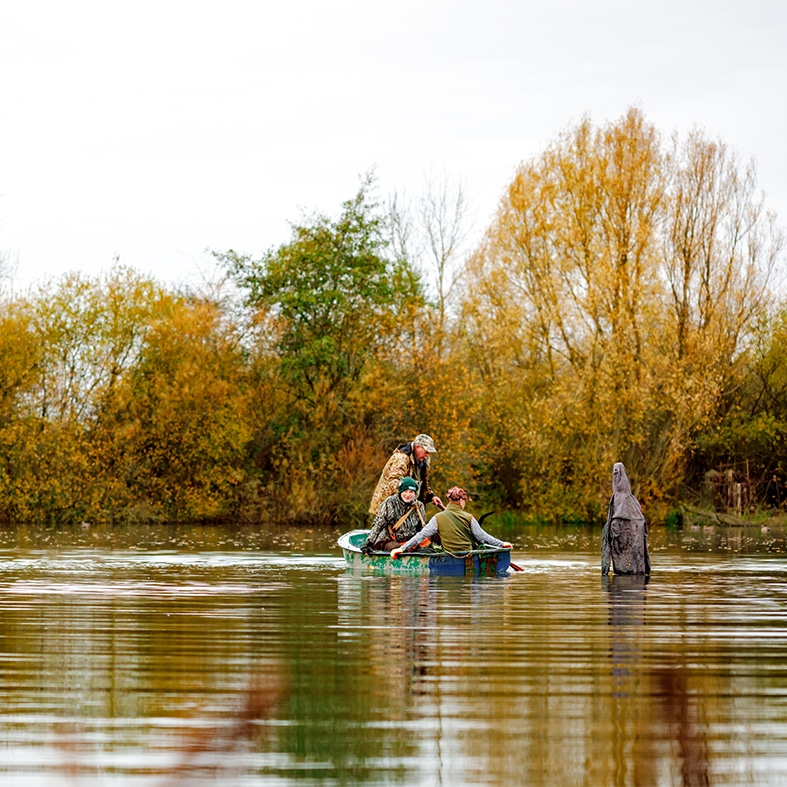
{"x":624,"y":539}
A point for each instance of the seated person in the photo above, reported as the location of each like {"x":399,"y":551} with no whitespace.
{"x":399,"y":516}
{"x":458,"y":530}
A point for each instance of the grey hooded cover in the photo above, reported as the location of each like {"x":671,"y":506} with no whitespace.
{"x":624,"y":539}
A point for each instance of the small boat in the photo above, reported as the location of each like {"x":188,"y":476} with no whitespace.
{"x":486,"y":561}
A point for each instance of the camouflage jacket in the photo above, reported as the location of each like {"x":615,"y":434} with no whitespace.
{"x":402,"y":463}
{"x":392,"y":509}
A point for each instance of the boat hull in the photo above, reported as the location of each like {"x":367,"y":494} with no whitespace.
{"x":488,"y":561}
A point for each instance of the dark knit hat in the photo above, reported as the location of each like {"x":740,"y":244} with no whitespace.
{"x":408,"y":483}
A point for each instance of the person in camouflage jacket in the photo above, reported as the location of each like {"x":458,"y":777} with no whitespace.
{"x":399,"y":517}
{"x":408,"y":460}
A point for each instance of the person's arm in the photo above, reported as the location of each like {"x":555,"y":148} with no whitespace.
{"x":378,"y":525}
{"x":374,"y":533}
{"x":430,"y":496}
{"x":427,"y":531}
{"x":480,"y":535}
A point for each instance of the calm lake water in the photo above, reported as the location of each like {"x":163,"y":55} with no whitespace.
{"x":174,"y":656}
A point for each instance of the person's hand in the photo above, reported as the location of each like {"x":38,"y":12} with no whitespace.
{"x":438,"y":502}
{"x":507,"y":545}
{"x":396,"y":552}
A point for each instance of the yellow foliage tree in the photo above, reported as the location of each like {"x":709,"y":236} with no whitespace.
{"x":602,"y":334}
{"x":119,"y":400}
{"x":63,"y":346}
{"x":173,"y":432}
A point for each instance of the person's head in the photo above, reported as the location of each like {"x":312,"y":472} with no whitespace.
{"x":408,"y":489}
{"x":423,"y":446}
{"x":458,"y":495}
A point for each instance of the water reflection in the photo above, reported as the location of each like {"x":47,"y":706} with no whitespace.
{"x":633,"y":756}
{"x":429,"y":645}
{"x":681,"y":713}
{"x":214,"y":663}
{"x":626,"y":616}
{"x":676,"y":692}
{"x":122,"y":664}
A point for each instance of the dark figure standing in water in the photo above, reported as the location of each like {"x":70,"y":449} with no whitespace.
{"x":624,"y":539}
{"x":773,"y":496}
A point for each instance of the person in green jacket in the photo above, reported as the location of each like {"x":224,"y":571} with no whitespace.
{"x":458,"y":530}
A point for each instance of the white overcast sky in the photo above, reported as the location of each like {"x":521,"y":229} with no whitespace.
{"x":153,"y":131}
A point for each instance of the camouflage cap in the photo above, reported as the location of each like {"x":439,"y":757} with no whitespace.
{"x":426,"y":443}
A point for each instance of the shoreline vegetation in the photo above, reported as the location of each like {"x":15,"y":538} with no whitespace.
{"x":625,"y":303}
{"x":764,"y":518}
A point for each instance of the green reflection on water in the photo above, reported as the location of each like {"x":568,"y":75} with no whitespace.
{"x":240,"y":657}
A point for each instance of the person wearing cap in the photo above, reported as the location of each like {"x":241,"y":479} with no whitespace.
{"x":412,"y":460}
{"x":399,"y":516}
{"x":459,"y":531}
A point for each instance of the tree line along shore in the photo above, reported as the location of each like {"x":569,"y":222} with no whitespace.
{"x":624,"y":303}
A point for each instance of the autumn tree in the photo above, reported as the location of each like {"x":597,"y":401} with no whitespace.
{"x":172,"y":435}
{"x":119,"y":401}
{"x":720,"y":247}
{"x":19,"y":376}
{"x":602,"y":333}
{"x":19,"y":358}
{"x":70,"y":339}
{"x":331,"y":300}
{"x":751,"y":431}
{"x":90,"y":332}
{"x":438,"y":389}
{"x":430,"y":232}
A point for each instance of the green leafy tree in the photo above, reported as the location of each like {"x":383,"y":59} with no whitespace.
{"x":333,"y":294}
{"x":332,"y":305}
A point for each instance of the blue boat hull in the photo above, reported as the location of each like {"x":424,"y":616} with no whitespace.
{"x":488,"y":561}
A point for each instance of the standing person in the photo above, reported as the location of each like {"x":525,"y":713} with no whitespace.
{"x":409,"y":459}
{"x":399,"y":517}
{"x":458,"y":529}
{"x":773,"y":493}
{"x":624,"y":538}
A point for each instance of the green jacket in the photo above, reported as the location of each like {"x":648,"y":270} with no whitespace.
{"x":458,"y":530}
{"x":454,"y":527}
